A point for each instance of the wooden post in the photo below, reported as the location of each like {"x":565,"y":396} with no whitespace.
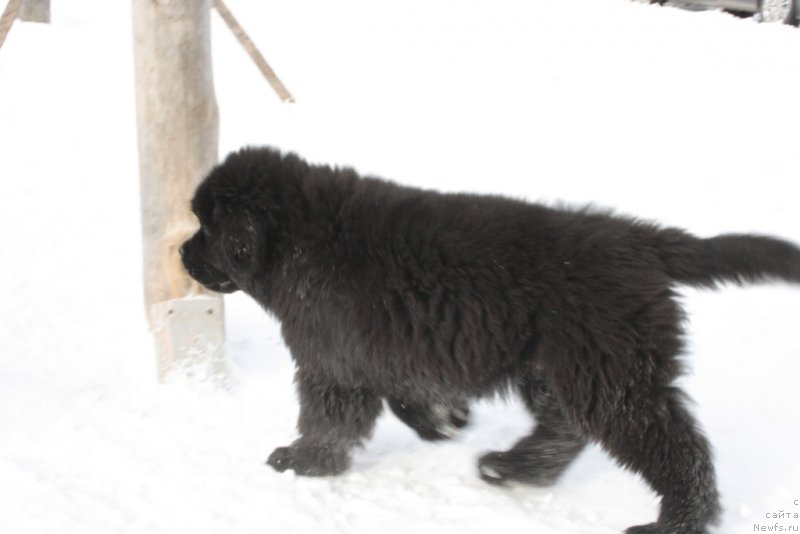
{"x":177,"y":136}
{"x":35,"y":11}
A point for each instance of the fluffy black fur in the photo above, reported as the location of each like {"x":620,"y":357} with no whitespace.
{"x":428,"y":300}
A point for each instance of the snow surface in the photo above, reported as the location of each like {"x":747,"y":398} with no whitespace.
{"x":687,"y":118}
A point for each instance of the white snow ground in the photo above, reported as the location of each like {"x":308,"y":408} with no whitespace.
{"x":687,"y":118}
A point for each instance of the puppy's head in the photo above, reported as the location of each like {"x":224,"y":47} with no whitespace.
{"x":234,"y":215}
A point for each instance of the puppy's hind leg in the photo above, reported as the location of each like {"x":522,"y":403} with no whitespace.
{"x":627,"y":403}
{"x":541,"y":457}
{"x":432,"y":422}
{"x":659,"y":439}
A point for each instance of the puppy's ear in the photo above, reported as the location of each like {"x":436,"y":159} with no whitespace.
{"x":239,"y":238}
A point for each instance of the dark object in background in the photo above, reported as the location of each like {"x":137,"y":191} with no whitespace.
{"x":428,"y":300}
{"x":781,"y":11}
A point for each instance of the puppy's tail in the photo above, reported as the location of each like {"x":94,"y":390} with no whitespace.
{"x":738,"y":258}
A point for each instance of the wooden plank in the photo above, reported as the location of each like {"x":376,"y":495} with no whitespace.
{"x":189,"y":340}
{"x":35,"y":11}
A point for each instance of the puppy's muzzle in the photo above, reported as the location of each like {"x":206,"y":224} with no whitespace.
{"x":203,"y":272}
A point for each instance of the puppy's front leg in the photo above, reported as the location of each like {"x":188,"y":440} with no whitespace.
{"x":333,"y":419}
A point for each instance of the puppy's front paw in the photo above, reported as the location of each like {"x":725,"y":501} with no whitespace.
{"x":280,"y":459}
{"x":309,"y":460}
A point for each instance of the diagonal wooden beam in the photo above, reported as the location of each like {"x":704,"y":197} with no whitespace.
{"x":8,"y":18}
{"x":252,"y":51}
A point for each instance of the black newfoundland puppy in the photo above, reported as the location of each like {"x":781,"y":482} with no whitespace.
{"x":428,"y":300}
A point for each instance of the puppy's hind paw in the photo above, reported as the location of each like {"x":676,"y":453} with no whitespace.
{"x":511,"y":466}
{"x":651,"y":528}
{"x":659,"y":528}
{"x":490,"y":468}
{"x":432,"y":422}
